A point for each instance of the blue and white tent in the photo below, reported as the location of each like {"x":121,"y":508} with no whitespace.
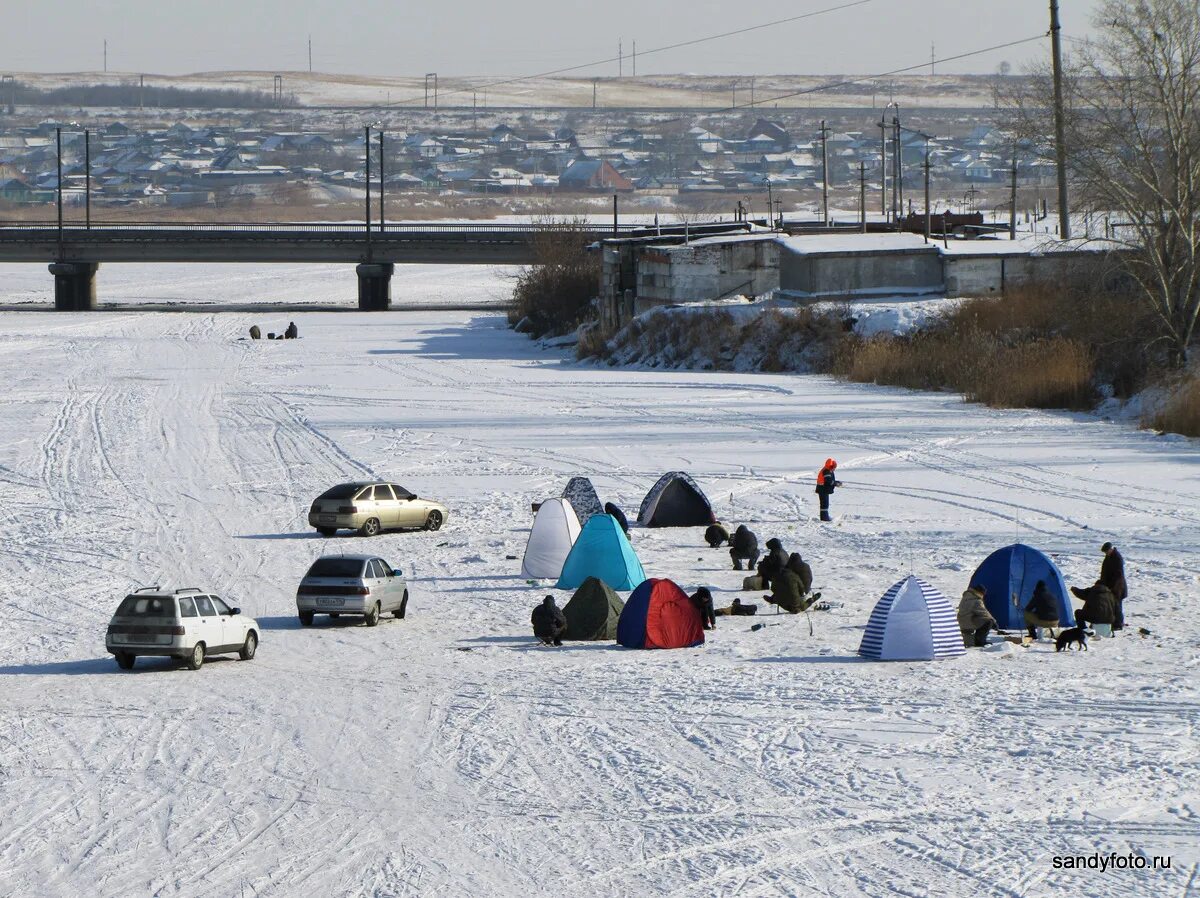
{"x":912,"y":622}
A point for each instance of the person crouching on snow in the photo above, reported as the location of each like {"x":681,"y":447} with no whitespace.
{"x":789,"y":592}
{"x":549,"y":623}
{"x":743,"y":545}
{"x":703,"y":600}
{"x":1042,"y":610}
{"x":974,"y":620}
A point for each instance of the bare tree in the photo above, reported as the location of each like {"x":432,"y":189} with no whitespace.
{"x":1132,"y":98}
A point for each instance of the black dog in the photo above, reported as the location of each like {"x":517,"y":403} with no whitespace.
{"x":1066,"y":637}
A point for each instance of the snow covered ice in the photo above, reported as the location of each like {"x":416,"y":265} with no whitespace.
{"x":142,"y":448}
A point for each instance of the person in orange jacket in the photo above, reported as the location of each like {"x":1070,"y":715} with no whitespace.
{"x":827,"y":482}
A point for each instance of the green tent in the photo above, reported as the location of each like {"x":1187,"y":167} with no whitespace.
{"x":593,"y":611}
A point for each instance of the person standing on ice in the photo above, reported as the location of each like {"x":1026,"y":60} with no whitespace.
{"x":1112,"y":575}
{"x":827,"y":482}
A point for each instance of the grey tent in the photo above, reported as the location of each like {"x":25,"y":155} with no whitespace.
{"x":582,"y":496}
{"x":676,"y":501}
{"x":593,"y":611}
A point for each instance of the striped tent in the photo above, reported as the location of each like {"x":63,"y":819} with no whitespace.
{"x":912,"y":622}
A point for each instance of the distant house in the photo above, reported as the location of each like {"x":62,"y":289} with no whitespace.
{"x":14,"y":190}
{"x":593,"y":174}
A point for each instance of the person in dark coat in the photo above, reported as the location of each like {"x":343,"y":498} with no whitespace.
{"x":788,"y":592}
{"x":292,"y":331}
{"x":1042,"y":610}
{"x":549,"y":623}
{"x":702,"y":599}
{"x":827,"y":482}
{"x":618,"y":515}
{"x":716,"y":535}
{"x":800,"y":568}
{"x":1112,"y":575}
{"x":744,"y":545}
{"x":773,"y":562}
{"x":974,"y":620}
{"x":1098,"y":604}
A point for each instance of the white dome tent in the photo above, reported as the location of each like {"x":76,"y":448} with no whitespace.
{"x":912,"y":622}
{"x":555,"y":528}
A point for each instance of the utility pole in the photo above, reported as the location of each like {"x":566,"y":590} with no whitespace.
{"x":635,"y":59}
{"x":883,"y":176}
{"x":367,"y":156}
{"x":106,"y":54}
{"x":58,"y":186}
{"x":933,"y":59}
{"x":87,"y":178}
{"x":751,"y":91}
{"x":862,"y":195}
{"x":928,"y":167}
{"x":310,"y":54}
{"x":10,"y":82}
{"x":1012,"y":196}
{"x":825,"y":172}
{"x":473,"y":109}
{"x":898,"y":162}
{"x":141,"y":91}
{"x":620,"y":59}
{"x":382,"y":216}
{"x":277,"y":89}
{"x":1060,"y":138}
{"x":431,"y":78}
{"x":594,"y":80}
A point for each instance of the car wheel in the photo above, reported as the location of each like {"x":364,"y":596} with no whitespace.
{"x":196,"y":659}
{"x":434,"y":521}
{"x":250,"y":647}
{"x":125,"y":660}
{"x":306,"y":618}
{"x":371,"y":618}
{"x":399,"y":612}
{"x":327,"y":531}
{"x":370,"y":527}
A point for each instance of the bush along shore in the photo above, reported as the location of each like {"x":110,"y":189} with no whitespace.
{"x":1046,"y":347}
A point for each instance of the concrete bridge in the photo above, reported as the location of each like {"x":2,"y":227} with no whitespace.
{"x":75,"y":252}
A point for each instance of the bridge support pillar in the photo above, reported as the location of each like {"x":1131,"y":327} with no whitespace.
{"x":374,"y":286}
{"x":74,"y":285}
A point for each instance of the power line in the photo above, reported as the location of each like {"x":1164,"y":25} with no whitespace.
{"x":619,"y":58}
{"x":829,"y":85}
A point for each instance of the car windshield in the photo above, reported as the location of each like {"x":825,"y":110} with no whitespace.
{"x":336,"y":567}
{"x":341,"y":491}
{"x":147,"y":606}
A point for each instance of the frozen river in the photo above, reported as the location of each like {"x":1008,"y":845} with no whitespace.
{"x":445,"y":754}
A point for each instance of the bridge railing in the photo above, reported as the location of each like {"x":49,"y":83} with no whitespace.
{"x":345,"y":227}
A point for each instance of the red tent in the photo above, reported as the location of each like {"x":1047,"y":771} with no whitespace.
{"x":659,"y":615}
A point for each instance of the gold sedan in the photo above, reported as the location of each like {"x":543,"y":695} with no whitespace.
{"x":372,"y":507}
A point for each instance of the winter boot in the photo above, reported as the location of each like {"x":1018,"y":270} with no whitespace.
{"x":825,"y":516}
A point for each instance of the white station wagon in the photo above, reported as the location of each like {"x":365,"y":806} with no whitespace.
{"x":186,"y":624}
{"x":351,"y":584}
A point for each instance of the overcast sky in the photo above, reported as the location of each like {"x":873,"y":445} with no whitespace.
{"x":518,"y":37}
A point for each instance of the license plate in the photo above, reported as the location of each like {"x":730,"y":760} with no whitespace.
{"x":326,"y":518}
{"x":327,"y":602}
